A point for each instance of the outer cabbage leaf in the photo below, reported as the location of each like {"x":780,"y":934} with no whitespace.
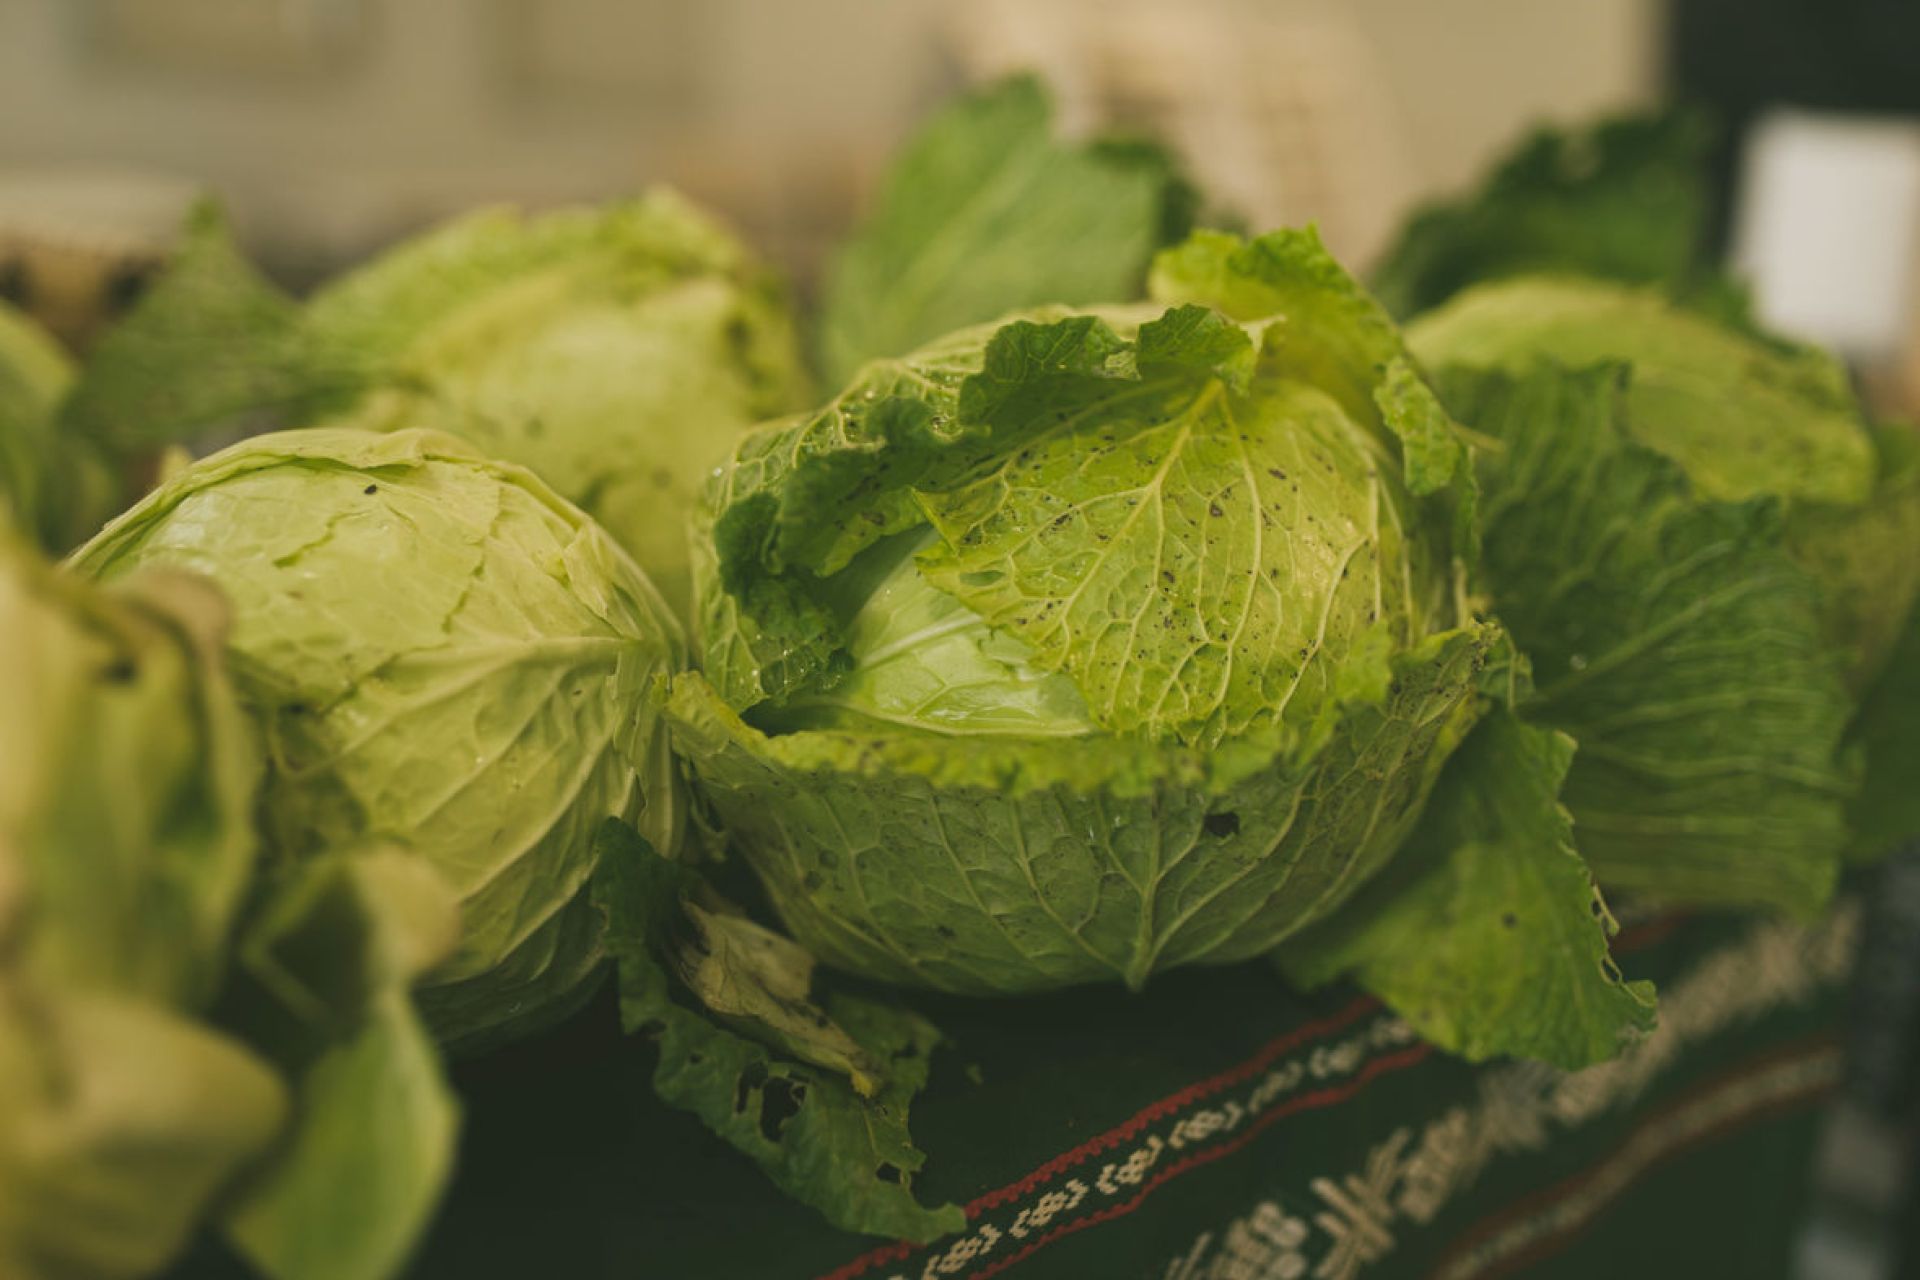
{"x":127,"y":778}
{"x":211,"y":346}
{"x":53,"y":484}
{"x":1488,"y":934}
{"x":1328,"y":331}
{"x":1109,"y":502}
{"x":1331,"y":333}
{"x":984,"y":213}
{"x":934,"y":439}
{"x":818,"y":490}
{"x":327,"y":966}
{"x":444,"y":654}
{"x":121,"y":694}
{"x":1673,"y":637}
{"x":1128,"y":550}
{"x":1624,"y":199}
{"x":1743,"y":417}
{"x":121,"y":1122}
{"x":837,"y":1143}
{"x":999,"y":865}
{"x":33,"y":375}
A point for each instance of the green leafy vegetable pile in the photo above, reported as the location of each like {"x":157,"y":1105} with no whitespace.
{"x":611,"y":350}
{"x":511,"y":614}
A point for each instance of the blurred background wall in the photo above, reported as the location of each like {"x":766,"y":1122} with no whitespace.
{"x":330,"y":126}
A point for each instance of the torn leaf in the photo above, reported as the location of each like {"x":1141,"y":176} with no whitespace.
{"x":821,"y":1142}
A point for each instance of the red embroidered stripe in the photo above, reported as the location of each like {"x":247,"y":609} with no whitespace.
{"x":1330,"y":1096}
{"x":1129,"y":1128}
{"x":1192,"y":1093}
{"x":1640,"y":937}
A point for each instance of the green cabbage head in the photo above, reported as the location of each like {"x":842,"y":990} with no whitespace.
{"x":1707,"y":554}
{"x":127,"y":777}
{"x":442,"y":655}
{"x":616,"y":351}
{"x":1743,"y":416}
{"x":1085,"y":645}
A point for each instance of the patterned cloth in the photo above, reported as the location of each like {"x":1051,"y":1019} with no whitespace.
{"x":1218,"y":1127}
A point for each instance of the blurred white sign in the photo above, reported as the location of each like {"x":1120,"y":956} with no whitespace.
{"x":1827,"y":228}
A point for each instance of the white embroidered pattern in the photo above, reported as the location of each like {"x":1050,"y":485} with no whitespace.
{"x":1343,"y":1223}
{"x":1519,"y":1106}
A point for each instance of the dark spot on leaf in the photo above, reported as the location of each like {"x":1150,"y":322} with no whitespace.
{"x":1509,"y":920}
{"x":371,"y":489}
{"x":1221,"y":825}
{"x":119,"y":671}
{"x":1276,"y":473}
{"x":1213,"y":509}
{"x":779,"y":1103}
